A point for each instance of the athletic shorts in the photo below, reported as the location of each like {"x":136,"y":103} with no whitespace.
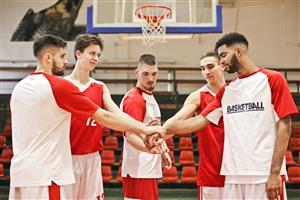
{"x":51,"y":192}
{"x":140,"y":188}
{"x":88,"y":177}
{"x":206,"y":193}
{"x":249,"y":191}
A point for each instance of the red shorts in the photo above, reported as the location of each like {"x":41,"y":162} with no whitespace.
{"x":140,"y":188}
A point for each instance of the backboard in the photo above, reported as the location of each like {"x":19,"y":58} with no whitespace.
{"x":188,"y":16}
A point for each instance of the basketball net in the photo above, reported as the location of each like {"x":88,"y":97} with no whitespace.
{"x":153,"y":23}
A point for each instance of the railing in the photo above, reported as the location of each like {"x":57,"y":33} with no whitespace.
{"x":171,"y":79}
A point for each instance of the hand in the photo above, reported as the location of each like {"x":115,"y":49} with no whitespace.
{"x":156,"y":150}
{"x":150,"y":130}
{"x":166,"y":160}
{"x":151,"y":141}
{"x":273,"y":187}
{"x":154,"y":122}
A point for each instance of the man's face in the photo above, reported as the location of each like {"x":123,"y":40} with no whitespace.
{"x":147,"y":76}
{"x":90,"y":57}
{"x":59,"y":62}
{"x":211,"y":70}
{"x":228,"y":59}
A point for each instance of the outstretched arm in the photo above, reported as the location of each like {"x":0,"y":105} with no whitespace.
{"x":274,"y":182}
{"x":179,"y":124}
{"x":118,"y":122}
{"x":114,"y":118}
{"x":186,"y":126}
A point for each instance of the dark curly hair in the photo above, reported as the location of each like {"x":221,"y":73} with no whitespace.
{"x":231,"y":39}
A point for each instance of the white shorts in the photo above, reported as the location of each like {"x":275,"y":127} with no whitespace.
{"x":35,"y":192}
{"x":206,"y":193}
{"x":88,"y":178}
{"x":248,"y":191}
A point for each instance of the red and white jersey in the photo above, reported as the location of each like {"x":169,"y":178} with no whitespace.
{"x":210,"y":145}
{"x":86,"y":134}
{"x":251,"y":106}
{"x":40,"y":106}
{"x":137,"y":164}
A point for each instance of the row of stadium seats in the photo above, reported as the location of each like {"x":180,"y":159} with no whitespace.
{"x":185,"y":143}
{"x":188,"y":175}
{"x":185,"y":158}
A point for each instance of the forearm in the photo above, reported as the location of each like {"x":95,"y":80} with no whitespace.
{"x":281,"y":144}
{"x":180,"y":126}
{"x":136,"y":141}
{"x":118,"y":121}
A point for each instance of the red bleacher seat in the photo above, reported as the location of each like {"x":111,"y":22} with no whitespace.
{"x":111,"y":142}
{"x":171,"y":153}
{"x":106,"y":173}
{"x":170,"y":175}
{"x":189,"y":174}
{"x":7,"y":127}
{"x":299,"y":157}
{"x":7,"y":130}
{"x":117,"y":133}
{"x":294,"y":174}
{"x":289,"y":159}
{"x":2,"y":176}
{"x":6,"y":156}
{"x":294,"y":144}
{"x":1,"y":170}
{"x":186,"y":158}
{"x":119,"y":177}
{"x":186,"y":135}
{"x":170,"y":144}
{"x":105,"y":131}
{"x":185,"y":143}
{"x":108,"y":157}
{"x":2,"y":141}
{"x":296,"y":131}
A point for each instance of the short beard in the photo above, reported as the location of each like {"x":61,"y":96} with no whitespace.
{"x":57,"y":71}
{"x":234,"y":65}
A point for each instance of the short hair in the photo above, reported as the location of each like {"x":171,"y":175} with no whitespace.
{"x":47,"y":41}
{"x":85,"y":40}
{"x":231,"y":39}
{"x":148,"y":59}
{"x":210,"y":54}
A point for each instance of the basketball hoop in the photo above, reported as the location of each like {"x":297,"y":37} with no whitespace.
{"x":153,"y":18}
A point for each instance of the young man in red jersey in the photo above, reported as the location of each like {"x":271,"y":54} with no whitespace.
{"x":211,"y":138}
{"x":140,"y":167}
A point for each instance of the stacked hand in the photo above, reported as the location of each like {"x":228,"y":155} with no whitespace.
{"x":155,"y":144}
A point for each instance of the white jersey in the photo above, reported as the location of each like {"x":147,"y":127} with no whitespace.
{"x":251,"y":106}
{"x":40,"y":129}
{"x":137,"y":164}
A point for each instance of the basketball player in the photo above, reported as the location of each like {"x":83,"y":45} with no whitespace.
{"x":257,"y":108}
{"x":41,"y":105}
{"x":211,"y":138}
{"x":140,"y":168}
{"x":86,"y":136}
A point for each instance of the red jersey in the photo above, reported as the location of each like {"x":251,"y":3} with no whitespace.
{"x":86,"y":135}
{"x":210,"y":145}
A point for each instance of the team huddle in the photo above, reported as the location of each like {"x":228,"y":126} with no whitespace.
{"x":243,"y":126}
